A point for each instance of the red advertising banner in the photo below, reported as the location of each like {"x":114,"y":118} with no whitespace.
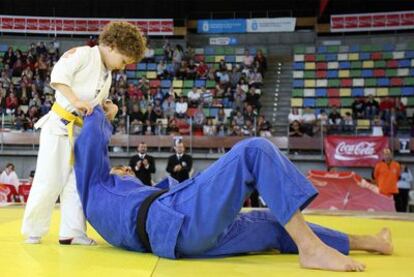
{"x":364,"y":151}
{"x":372,"y":21}
{"x":79,"y":26}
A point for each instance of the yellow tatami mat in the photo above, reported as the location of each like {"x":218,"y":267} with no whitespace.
{"x":51,"y":259}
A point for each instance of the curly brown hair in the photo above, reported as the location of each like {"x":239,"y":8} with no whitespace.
{"x":125,"y":37}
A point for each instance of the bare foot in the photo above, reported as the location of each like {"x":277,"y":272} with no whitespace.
{"x":326,"y":258}
{"x":384,"y":242}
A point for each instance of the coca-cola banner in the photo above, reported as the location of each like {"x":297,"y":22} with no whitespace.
{"x":372,"y":21}
{"x":348,"y":151}
{"x":78,"y":26}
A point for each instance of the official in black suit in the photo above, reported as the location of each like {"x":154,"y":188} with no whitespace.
{"x":180,"y":164}
{"x":143,"y":164}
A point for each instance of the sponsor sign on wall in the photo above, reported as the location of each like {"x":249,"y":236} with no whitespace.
{"x":260,"y":25}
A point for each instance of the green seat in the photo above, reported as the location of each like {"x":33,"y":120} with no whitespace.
{"x":216,"y":66}
{"x":410,"y":101}
{"x":356,"y":64}
{"x":210,"y":59}
{"x":320,"y":57}
{"x":387,"y":55}
{"x":334,"y":82}
{"x":371,"y":82}
{"x":376,"y":48}
{"x":219,"y":51}
{"x":141,"y":74}
{"x":188,"y":83}
{"x":297,"y":92}
{"x":229,"y":51}
{"x":211,"y":84}
{"x":321,"y":102}
{"x":158,"y":51}
{"x":346,"y":102}
{"x":394,"y":92}
{"x":333,"y":49}
{"x":409,"y":81}
{"x":309,"y":74}
{"x":391,"y":72}
{"x":366,"y":48}
{"x":299,"y":49}
{"x":380,"y":64}
{"x":206,"y":112}
{"x":355,"y":73}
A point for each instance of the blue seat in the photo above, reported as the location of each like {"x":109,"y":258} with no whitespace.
{"x":383,"y":82}
{"x":412,"y":72}
{"x":133,"y":81}
{"x":367,"y":73}
{"x":3,"y":47}
{"x":159,"y":58}
{"x":321,"y":92}
{"x":364,"y":56}
{"x":389,"y":47}
{"x":404,"y":63}
{"x":152,"y":66}
{"x":407,"y":91}
{"x":344,"y":65}
{"x":230,"y":59}
{"x":166,"y":83}
{"x":213,"y":112}
{"x":322,"y":49}
{"x":200,"y":83}
{"x":142,"y":66}
{"x":355,"y":92}
{"x":252,"y":51}
{"x":298,"y":83}
{"x":165,"y":91}
{"x":226,"y":102}
{"x":170,"y":67}
{"x":298,"y":65}
{"x":309,"y":102}
{"x":332,"y":73}
{"x":354,"y":48}
{"x":130,"y":74}
{"x":409,"y":54}
{"x":330,"y":57}
{"x":209,"y":51}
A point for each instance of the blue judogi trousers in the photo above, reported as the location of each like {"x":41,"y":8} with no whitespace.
{"x":199,"y":217}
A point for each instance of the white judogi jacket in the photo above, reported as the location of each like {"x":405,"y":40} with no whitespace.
{"x":82,"y":69}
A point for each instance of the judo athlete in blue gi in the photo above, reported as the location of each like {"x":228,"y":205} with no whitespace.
{"x":201,"y":217}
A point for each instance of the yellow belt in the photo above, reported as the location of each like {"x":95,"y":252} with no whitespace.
{"x":72,"y":121}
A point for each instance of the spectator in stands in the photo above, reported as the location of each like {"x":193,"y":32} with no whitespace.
{"x":143,"y":86}
{"x":209,"y":129}
{"x":32,"y":117}
{"x":238,"y":119}
{"x":348,"y":123}
{"x":191,"y":70}
{"x":9,"y":57}
{"x":260,"y":62}
{"x":295,"y":129}
{"x":223,"y":78}
{"x":180,"y":164}
{"x":168,"y":51}
{"x":11,"y":103}
{"x":9,"y":176}
{"x":247,"y":59}
{"x":400,"y":110}
{"x":206,"y":97}
{"x":136,"y":119}
{"x":235,"y":131}
{"x":371,"y":107}
{"x":335,"y":120}
{"x":143,"y":165}
{"x":194,"y":97}
{"x":239,"y":98}
{"x":20,"y":119}
{"x":377,"y":126}
{"x":202,"y":70}
{"x":199,"y":117}
{"x":177,"y":58}
{"x":385,"y":108}
{"x":120,"y":128}
{"x":181,"y":72}
{"x":5,"y":80}
{"x":172,"y":128}
{"x":47,"y":89}
{"x":149,"y":119}
{"x":2,"y":100}
{"x":404,"y":184}
{"x":294,"y":115}
{"x":249,"y":113}
{"x":358,"y":108}
{"x":235,"y":76}
{"x":212,"y":74}
{"x":162,"y":72}
{"x":255,"y":79}
{"x":42,"y":66}
{"x":168,"y":106}
{"x":309,"y":120}
{"x":189,"y":53}
{"x":148,"y":54}
{"x":248,"y":129}
{"x":252,"y":98}
{"x":322,"y":121}
{"x":221,"y":117}
{"x":181,"y":108}
{"x":264,"y":127}
{"x":386,"y":174}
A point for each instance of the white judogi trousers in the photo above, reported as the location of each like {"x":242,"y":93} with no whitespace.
{"x":54,"y":176}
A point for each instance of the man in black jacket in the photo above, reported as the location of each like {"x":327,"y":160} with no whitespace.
{"x":180,"y":164}
{"x":143,"y":164}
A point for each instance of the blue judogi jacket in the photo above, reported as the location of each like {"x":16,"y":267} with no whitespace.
{"x":111,"y":202}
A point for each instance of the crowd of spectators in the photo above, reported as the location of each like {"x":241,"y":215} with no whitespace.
{"x":386,"y":117}
{"x":26,"y":95}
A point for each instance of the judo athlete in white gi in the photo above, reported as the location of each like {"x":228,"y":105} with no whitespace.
{"x":200,"y":217}
{"x":81,"y":78}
